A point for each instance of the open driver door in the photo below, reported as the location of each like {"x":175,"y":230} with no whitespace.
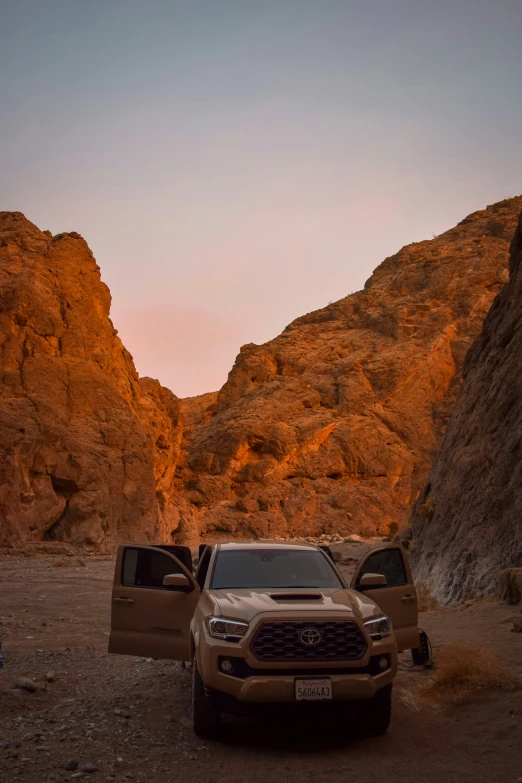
{"x":150,"y":617}
{"x":398,"y":597}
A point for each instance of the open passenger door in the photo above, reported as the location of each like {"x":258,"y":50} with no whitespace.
{"x":398,"y":597}
{"x":150,"y":618}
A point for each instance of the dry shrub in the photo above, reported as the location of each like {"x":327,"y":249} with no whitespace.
{"x":426,"y":602}
{"x":463,"y":670}
{"x":68,"y":562}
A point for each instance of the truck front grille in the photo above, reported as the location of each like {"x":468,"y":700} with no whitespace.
{"x":336,"y":640}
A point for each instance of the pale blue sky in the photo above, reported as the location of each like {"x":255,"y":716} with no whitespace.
{"x":234,"y":165}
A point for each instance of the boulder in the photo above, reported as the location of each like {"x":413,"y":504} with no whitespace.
{"x":510,"y":585}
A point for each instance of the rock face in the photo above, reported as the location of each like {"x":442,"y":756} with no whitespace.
{"x":333,"y":425}
{"x":88,"y":450}
{"x":467,"y":525}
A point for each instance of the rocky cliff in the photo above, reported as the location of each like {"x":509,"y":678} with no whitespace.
{"x":467,"y":524}
{"x":332,"y":426}
{"x":88,"y":451}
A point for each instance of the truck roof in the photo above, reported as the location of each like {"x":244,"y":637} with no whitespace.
{"x":263,"y":545}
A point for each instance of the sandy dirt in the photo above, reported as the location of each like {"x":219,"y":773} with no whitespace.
{"x":130,"y":718}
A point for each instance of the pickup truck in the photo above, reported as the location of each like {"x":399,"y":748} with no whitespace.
{"x":268,"y":623}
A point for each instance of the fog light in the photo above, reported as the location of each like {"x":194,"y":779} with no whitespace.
{"x":383,"y":663}
{"x":226,"y":665}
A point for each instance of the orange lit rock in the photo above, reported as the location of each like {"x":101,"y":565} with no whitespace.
{"x":88,"y":451}
{"x":332,"y":426}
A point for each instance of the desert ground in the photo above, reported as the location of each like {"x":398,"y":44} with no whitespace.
{"x":130,"y":718}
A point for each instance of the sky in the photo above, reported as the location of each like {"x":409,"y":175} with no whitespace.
{"x":234,"y":164}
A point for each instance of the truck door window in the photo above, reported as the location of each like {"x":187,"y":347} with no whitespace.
{"x":202,"y":569}
{"x":388,"y":562}
{"x":146,"y":568}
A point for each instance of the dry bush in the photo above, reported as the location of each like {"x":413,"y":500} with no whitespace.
{"x":425,"y":601}
{"x":68,"y":562}
{"x":463,"y":670}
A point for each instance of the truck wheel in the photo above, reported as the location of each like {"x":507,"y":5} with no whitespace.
{"x":206,"y":718}
{"x":377,"y":712}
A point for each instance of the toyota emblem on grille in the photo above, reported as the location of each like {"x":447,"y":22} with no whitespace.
{"x":310,"y":637}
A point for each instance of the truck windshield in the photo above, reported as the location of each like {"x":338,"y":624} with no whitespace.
{"x":273,"y":568}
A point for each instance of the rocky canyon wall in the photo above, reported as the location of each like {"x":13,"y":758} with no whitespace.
{"x":88,"y":450}
{"x":333,"y":426}
{"x":467,"y":524}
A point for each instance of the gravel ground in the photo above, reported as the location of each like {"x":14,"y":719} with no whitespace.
{"x":129,"y":719}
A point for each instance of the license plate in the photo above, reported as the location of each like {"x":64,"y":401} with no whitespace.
{"x":313,"y":690}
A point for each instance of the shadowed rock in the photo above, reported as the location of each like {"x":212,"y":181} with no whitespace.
{"x":474,"y":526}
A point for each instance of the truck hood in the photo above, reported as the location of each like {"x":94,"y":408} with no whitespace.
{"x":245,"y":604}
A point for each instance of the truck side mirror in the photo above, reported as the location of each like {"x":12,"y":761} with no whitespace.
{"x":178,"y":582}
{"x":372,"y":580}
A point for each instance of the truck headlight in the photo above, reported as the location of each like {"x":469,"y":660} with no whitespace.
{"x":379,"y":627}
{"x":223,"y":628}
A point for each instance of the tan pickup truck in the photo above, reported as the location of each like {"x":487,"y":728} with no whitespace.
{"x":268,"y":623}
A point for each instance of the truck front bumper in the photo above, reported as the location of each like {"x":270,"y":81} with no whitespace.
{"x":281,"y":689}
{"x":349,"y":683}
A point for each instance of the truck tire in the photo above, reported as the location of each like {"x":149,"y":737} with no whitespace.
{"x":377,"y":712}
{"x":206,"y":718}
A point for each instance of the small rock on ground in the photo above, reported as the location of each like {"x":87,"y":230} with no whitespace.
{"x":25,"y":684}
{"x":88,"y":768}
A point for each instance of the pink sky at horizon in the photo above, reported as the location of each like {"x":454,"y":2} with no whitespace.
{"x":166,"y":340}
{"x":172,"y":340}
